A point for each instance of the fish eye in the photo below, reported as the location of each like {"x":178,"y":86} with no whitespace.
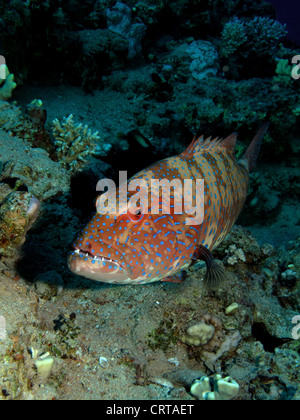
{"x":135,"y":215}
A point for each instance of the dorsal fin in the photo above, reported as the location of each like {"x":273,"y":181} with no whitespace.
{"x":199,"y":144}
{"x":230,"y":142}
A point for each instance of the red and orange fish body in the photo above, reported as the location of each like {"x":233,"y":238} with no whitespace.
{"x":137,"y":247}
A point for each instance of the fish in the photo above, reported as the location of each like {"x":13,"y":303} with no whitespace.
{"x":134,"y":246}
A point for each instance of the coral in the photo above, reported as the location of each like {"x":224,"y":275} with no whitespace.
{"x":198,"y":334}
{"x":218,"y":335}
{"x":28,"y":127}
{"x":7,"y":84}
{"x":284,"y":72}
{"x":36,"y":112}
{"x":215,"y":388}
{"x":232,"y":308}
{"x":74,"y":143}
{"x":119,"y":20}
{"x":229,"y":343}
{"x":204,"y":59}
{"x":207,"y":333}
{"x":224,"y":341}
{"x":235,"y":254}
{"x":264,"y":34}
{"x":239,"y":105}
{"x":260,"y":35}
{"x":232,"y":37}
{"x":241,"y":246}
{"x":44,"y":366}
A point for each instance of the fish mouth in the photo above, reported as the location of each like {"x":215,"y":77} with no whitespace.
{"x":92,"y":257}
{"x":97,"y":267}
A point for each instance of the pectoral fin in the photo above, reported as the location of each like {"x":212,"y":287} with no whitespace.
{"x":215,"y":273}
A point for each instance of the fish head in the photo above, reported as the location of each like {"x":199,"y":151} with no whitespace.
{"x":131,"y":247}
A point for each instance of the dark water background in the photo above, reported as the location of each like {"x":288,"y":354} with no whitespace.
{"x":288,"y":11}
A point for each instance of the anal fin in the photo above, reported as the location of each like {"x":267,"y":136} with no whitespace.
{"x":215,"y":273}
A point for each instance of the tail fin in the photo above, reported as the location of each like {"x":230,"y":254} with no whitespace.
{"x":250,"y":156}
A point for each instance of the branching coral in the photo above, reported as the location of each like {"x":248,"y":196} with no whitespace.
{"x":264,"y":34}
{"x":260,"y":35}
{"x":232,"y":37}
{"x":73,"y":142}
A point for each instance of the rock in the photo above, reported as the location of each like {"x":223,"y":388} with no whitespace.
{"x":48,"y":284}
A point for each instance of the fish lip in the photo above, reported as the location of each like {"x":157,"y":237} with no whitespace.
{"x":92,"y":257}
{"x":83,"y":264}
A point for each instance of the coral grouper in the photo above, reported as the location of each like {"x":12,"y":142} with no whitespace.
{"x":134,"y":246}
